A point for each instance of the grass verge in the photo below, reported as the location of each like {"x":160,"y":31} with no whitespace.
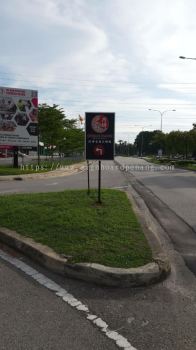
{"x":182,"y":164}
{"x":73,"y":224}
{"x":9,"y":170}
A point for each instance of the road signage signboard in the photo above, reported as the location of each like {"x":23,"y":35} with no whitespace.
{"x":160,"y":152}
{"x":99,"y":136}
{"x":18,"y":117}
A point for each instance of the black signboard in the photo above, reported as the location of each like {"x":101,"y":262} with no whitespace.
{"x":100,"y":136}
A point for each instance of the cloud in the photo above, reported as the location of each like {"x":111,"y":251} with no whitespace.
{"x":117,"y":55}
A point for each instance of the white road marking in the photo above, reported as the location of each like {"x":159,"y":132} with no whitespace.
{"x":120,"y":341}
{"x":8,"y":191}
{"x":119,"y":187}
{"x":52,"y":184}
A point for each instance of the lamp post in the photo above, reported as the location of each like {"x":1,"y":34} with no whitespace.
{"x":161,"y":113}
{"x":187,"y":58}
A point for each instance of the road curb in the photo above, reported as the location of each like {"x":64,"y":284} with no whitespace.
{"x":91,"y":272}
{"x":71,"y":169}
{"x":147,"y":220}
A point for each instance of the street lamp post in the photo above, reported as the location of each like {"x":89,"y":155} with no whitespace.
{"x":142,"y":141}
{"x":187,"y":58}
{"x":161,"y":113}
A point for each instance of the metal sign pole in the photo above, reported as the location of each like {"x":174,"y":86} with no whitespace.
{"x":99,"y":183}
{"x":88,"y":176}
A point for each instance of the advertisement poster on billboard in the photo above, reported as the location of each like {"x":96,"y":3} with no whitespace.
{"x":100,"y":136}
{"x":18,"y":117}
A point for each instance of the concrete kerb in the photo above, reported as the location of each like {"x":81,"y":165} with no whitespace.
{"x":99,"y":274}
{"x":69,"y":170}
{"x":151,"y":231}
{"x":150,"y":226}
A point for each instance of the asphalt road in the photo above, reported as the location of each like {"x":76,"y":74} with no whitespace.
{"x":171,"y":196}
{"x":111,"y":178}
{"x":32,"y":317}
{"x":175,"y":187}
{"x":159,"y":317}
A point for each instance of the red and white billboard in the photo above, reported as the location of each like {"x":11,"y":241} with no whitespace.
{"x":18,"y":117}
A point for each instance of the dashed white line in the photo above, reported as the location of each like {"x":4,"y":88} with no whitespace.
{"x":52,"y":184}
{"x":120,"y":341}
{"x":119,"y":187}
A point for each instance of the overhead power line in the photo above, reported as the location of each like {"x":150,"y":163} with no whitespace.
{"x":119,"y":102}
{"x":76,"y":79}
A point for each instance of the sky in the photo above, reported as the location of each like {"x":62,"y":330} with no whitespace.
{"x":117,"y":56}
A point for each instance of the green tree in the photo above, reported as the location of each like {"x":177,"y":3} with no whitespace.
{"x":124,"y":148}
{"x":51,"y":125}
{"x":159,"y":141}
{"x":73,"y":141}
{"x":192,"y":136}
{"x":146,"y":142}
{"x":57,"y":131}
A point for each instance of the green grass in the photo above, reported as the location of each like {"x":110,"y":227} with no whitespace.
{"x":184,"y":164}
{"x":9,"y":170}
{"x":162,"y":161}
{"x":45,"y":166}
{"x":73,"y":224}
{"x":191,"y":167}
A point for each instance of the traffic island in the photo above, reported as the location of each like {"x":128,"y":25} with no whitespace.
{"x":71,"y":235}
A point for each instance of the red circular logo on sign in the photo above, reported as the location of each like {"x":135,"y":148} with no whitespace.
{"x":99,"y":150}
{"x":100,"y":124}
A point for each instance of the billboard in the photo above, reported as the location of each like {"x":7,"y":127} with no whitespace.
{"x":18,"y":117}
{"x":100,"y":136}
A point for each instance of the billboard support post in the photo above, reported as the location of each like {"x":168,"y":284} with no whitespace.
{"x":15,"y":158}
{"x":99,"y":183}
{"x":38,"y":149}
